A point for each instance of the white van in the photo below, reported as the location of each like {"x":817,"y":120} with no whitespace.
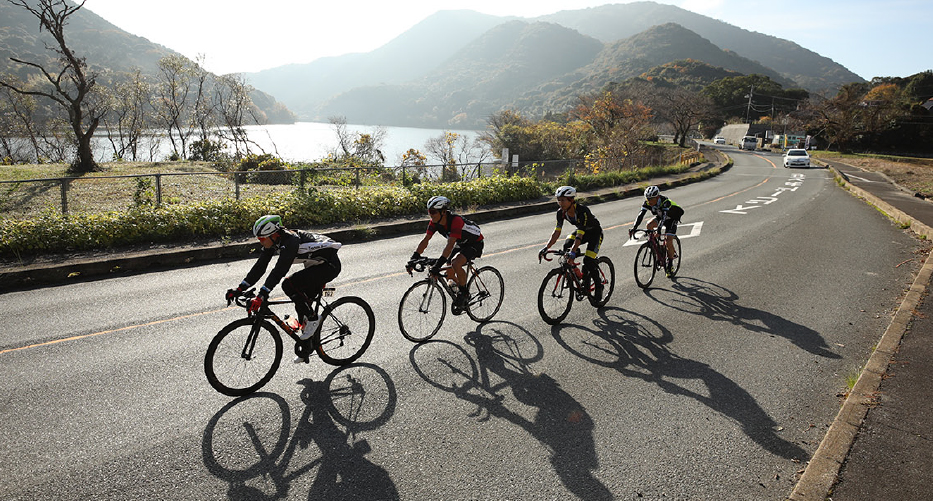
{"x":748,"y":143}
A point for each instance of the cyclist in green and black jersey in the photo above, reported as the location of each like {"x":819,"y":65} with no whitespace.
{"x":666,"y":215}
{"x":588,"y":231}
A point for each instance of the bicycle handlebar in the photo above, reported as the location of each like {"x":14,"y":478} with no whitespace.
{"x":244,"y":299}
{"x":560,"y":253}
{"x":419,"y":264}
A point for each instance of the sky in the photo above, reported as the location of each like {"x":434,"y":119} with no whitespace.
{"x":869,"y":37}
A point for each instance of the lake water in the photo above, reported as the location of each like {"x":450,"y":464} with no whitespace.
{"x":310,"y":141}
{"x":298,"y":142}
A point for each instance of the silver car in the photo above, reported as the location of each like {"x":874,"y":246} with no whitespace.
{"x":796,"y":158}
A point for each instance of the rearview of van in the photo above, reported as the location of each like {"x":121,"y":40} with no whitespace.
{"x":748,"y":143}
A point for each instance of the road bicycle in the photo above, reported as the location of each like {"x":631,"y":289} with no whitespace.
{"x":565,"y":282}
{"x":423,"y":307}
{"x":652,"y":256}
{"x":245,"y":354}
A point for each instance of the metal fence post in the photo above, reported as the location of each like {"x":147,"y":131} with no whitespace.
{"x":236,"y":184}
{"x":158,"y":178}
{"x":357,"y":177}
{"x":65,"y":182}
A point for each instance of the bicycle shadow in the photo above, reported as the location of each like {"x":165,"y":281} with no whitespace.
{"x":699,"y":297}
{"x":636,"y":347}
{"x":241,"y":447}
{"x":498,"y":364}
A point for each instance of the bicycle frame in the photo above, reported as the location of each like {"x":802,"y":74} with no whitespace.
{"x":570,"y":269}
{"x":317,"y":304}
{"x":658,"y":242}
{"x":440,"y":278}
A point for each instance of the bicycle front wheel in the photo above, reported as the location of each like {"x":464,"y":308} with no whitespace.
{"x":555,"y":296}
{"x":347,"y":327}
{"x":243,"y":357}
{"x":644,"y":265}
{"x":421,"y":311}
{"x":675,"y":261}
{"x":607,"y":276}
{"x":486,"y":292}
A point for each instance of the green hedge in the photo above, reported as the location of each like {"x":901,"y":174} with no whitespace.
{"x":226,"y":218}
{"x":229,"y":218}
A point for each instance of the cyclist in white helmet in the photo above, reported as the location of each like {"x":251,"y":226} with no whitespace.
{"x":464,"y":242}
{"x":666,"y":215}
{"x":588,"y":231}
{"x":317,"y":252}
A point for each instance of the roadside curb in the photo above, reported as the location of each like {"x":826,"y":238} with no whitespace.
{"x":821,"y":472}
{"x":84,"y":269}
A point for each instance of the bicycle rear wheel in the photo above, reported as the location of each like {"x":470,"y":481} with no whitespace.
{"x":644,"y":265}
{"x":607,"y":276}
{"x":675,"y":261}
{"x":486,"y":292}
{"x":555,"y":296}
{"x":243,"y":357}
{"x":347,"y":327}
{"x":421,"y":311}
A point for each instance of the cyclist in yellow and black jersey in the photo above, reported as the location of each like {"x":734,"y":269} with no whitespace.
{"x":666,"y":215}
{"x":588,"y":231}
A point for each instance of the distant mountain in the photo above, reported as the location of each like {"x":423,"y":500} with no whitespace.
{"x":533,"y":67}
{"x":662,"y":44}
{"x":483,"y":76}
{"x":107,"y":49}
{"x":610,"y":23}
{"x":485,"y":63}
{"x":411,"y":55}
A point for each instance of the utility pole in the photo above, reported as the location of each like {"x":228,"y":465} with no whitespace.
{"x":748,"y":110}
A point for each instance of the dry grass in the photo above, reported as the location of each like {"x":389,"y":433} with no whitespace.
{"x":915,"y":174}
{"x":96,"y":192}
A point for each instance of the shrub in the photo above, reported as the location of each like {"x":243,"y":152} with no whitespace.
{"x":227,"y":218}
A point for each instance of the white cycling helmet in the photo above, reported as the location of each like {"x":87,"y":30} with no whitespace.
{"x":267,"y":225}
{"x":565,"y":191}
{"x":438,"y":202}
{"x":652,"y":191}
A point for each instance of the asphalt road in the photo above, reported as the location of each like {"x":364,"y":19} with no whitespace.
{"x":717,"y":385}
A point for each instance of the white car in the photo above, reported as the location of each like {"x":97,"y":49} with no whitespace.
{"x":719,"y":140}
{"x":796,"y":157}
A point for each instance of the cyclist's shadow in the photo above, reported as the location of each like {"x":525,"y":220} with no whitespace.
{"x":636,"y":346}
{"x":560,"y":422}
{"x":343,"y":471}
{"x":718,"y":303}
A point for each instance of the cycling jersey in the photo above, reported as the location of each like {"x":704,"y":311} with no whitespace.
{"x":295,"y":246}
{"x":462,"y":229}
{"x":583,"y":219}
{"x":665,"y":211}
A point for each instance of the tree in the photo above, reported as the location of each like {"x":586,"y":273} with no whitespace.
{"x":456,"y":153}
{"x":232,"y":102}
{"x":177,"y":75}
{"x":360,"y":147}
{"x":72,"y":86}
{"x":616,"y":125}
{"x":682,"y":109}
{"x":128,"y":118}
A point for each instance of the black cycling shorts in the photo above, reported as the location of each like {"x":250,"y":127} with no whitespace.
{"x":470,"y":251}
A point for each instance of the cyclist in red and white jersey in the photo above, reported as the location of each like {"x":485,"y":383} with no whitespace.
{"x":464,"y":243}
